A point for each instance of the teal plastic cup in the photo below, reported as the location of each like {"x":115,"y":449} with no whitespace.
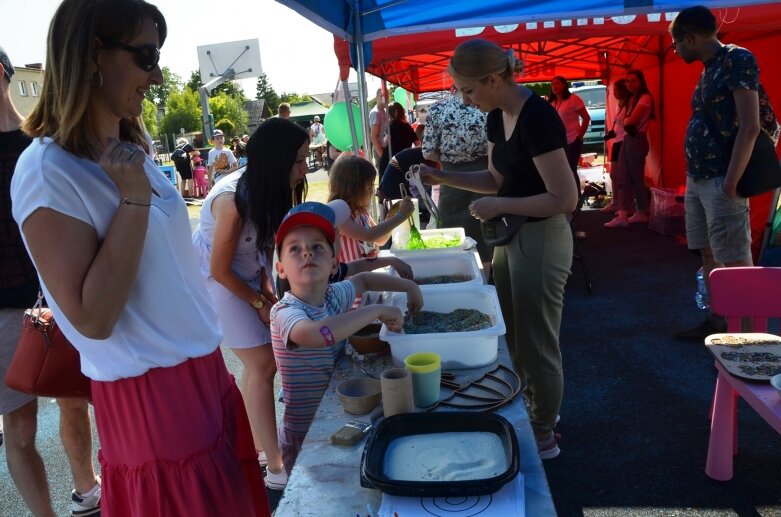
{"x":426,"y":370}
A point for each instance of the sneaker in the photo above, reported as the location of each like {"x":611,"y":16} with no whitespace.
{"x":263,"y":462}
{"x":638,"y":217}
{"x":712,"y":324}
{"x":618,"y":222}
{"x":610,"y":208}
{"x":549,"y":447}
{"x":86,"y":504}
{"x":276,"y":481}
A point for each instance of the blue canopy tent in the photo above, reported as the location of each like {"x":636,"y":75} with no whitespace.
{"x":381,"y":18}
{"x":410,"y":45}
{"x":363,"y":21}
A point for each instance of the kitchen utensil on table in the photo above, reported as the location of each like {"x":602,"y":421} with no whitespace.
{"x":426,"y":375}
{"x":415,"y":239}
{"x":397,"y":392}
{"x":413,"y":176}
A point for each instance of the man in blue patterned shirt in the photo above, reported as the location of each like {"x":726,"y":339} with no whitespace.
{"x":719,"y":140}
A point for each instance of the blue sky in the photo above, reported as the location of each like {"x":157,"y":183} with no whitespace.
{"x":296,"y":55}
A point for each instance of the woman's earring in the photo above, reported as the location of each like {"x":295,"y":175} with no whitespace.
{"x":99,"y":82}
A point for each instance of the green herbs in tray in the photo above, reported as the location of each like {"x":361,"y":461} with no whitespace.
{"x":442,"y":279}
{"x":459,"y":320}
{"x":437,"y":241}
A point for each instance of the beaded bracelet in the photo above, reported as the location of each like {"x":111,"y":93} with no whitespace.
{"x":327,"y":335}
{"x":128,"y":201}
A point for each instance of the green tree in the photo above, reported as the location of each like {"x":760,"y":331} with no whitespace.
{"x":226,"y":126}
{"x":223,"y":106}
{"x":267,"y":92}
{"x":230,"y":88}
{"x":292,"y":97}
{"x":541,"y":89}
{"x":195,"y":81}
{"x":149,"y":115}
{"x":182,"y":110}
{"x":159,"y":93}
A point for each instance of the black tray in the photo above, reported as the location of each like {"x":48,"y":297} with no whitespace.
{"x":372,"y":472}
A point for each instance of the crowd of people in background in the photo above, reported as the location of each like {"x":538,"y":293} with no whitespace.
{"x":147,"y":302}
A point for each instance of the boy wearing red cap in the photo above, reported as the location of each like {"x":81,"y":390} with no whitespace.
{"x":311,"y":322}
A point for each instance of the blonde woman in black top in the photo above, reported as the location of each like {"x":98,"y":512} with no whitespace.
{"x":529,"y":173}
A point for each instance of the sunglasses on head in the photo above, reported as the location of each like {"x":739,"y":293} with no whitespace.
{"x":146,"y":56}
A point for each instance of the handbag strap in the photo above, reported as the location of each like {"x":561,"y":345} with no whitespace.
{"x":37,"y":307}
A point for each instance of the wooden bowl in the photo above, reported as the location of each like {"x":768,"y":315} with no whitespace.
{"x":367,"y":340}
{"x":359,"y":395}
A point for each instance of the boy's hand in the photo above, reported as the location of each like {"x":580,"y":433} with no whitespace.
{"x":414,"y":298}
{"x":391,"y":317}
{"x":402,"y":268}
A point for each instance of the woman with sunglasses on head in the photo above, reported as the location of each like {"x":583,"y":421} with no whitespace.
{"x":617,"y":134}
{"x":529,"y":173}
{"x":110,"y":239}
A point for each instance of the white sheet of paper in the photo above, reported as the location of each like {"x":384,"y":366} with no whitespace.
{"x":507,"y":501}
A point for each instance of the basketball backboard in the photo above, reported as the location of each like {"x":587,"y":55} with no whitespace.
{"x":217,"y":59}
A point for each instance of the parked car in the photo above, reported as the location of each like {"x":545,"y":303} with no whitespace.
{"x":594,"y":98}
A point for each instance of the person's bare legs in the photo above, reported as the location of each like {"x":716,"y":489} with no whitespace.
{"x":257,"y":384}
{"x":24,"y":462}
{"x":76,"y":436}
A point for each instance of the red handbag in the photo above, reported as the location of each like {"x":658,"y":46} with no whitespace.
{"x":45,"y":362}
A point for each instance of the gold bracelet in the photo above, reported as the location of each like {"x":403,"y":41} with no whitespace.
{"x":128,"y":201}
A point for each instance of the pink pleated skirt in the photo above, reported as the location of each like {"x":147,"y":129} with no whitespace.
{"x":177,"y":441}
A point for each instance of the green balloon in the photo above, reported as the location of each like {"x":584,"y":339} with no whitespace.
{"x":337,"y":126}
{"x":400,"y":96}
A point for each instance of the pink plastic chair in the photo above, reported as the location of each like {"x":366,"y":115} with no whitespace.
{"x":741,"y":292}
{"x":200,"y":182}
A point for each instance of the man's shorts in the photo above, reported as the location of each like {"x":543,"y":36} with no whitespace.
{"x":10,"y":328}
{"x":717,"y":221}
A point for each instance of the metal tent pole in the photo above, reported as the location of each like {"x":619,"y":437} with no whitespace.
{"x":361,"y":70}
{"x":349,"y":106}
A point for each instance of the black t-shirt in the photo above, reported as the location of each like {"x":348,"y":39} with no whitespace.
{"x":181,"y":159}
{"x":538,"y":130}
{"x":402,"y":136}
{"x":394,"y":174}
{"x":18,"y":279}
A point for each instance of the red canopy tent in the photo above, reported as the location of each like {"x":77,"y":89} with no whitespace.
{"x":597,"y":48}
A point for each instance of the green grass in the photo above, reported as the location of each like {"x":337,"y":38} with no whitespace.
{"x":318,"y":191}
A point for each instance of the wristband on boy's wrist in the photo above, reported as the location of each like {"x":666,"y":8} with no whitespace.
{"x":327,"y":336}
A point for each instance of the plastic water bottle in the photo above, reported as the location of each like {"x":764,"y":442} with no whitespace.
{"x":701,"y":297}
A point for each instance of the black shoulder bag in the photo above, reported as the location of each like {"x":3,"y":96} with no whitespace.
{"x":763,"y":171}
{"x":500,"y":230}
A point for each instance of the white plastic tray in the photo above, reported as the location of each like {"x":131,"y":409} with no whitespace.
{"x":401,"y":238}
{"x":432,"y":264}
{"x":457,"y":349}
